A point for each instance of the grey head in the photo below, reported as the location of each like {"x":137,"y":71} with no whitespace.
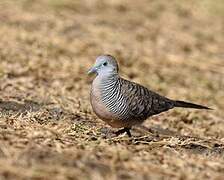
{"x":104,"y":65}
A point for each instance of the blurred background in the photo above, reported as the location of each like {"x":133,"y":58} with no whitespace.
{"x":47,"y":127}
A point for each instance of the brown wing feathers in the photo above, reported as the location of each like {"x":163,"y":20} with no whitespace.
{"x":144,"y":103}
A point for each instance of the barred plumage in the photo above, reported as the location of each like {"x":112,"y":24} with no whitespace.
{"x":123,"y":103}
{"x":130,"y":100}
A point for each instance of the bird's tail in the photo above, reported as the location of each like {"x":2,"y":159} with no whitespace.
{"x":189,"y":105}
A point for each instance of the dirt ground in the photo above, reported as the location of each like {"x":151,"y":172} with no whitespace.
{"x":47,"y":127}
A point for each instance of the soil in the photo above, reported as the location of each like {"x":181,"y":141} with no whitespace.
{"x":47,"y":127}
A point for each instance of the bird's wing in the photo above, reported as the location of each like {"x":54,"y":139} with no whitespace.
{"x":142,"y":102}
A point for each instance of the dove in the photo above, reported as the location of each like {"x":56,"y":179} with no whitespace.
{"x":122,"y":103}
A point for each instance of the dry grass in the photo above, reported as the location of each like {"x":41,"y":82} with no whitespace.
{"x":47,"y":128}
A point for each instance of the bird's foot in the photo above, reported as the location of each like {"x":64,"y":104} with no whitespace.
{"x":121,"y":131}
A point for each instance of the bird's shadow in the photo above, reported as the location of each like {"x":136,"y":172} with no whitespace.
{"x":157,"y":137}
{"x":140,"y":131}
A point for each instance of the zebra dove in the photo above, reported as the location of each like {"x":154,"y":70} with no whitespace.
{"x":122,"y":103}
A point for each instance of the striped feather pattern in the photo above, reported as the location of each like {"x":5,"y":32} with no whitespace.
{"x":131,"y":101}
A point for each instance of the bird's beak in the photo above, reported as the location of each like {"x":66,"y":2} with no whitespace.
{"x":92,"y":70}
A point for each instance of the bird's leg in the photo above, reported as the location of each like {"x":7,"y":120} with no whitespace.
{"x":128,"y":131}
{"x":121,"y":131}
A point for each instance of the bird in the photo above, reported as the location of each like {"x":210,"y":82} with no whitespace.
{"x":122,"y":103}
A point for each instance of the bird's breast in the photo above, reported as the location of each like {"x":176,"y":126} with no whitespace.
{"x":99,"y":106}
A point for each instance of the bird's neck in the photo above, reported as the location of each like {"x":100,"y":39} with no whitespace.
{"x":112,"y":77}
{"x":107,"y":81}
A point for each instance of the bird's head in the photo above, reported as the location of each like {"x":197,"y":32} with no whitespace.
{"x":104,"y":65}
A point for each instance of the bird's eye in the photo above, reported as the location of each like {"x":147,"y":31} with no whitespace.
{"x":104,"y":64}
